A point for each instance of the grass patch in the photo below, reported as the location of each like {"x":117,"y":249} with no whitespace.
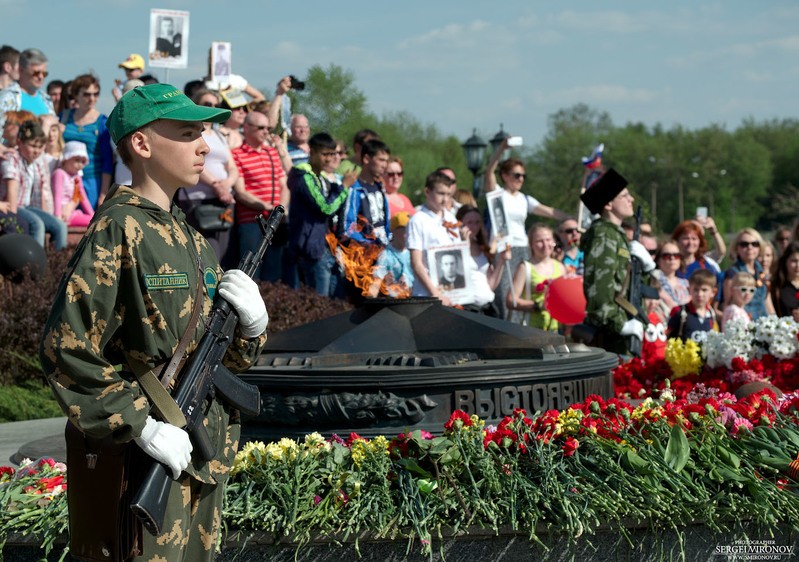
{"x":28,"y":401}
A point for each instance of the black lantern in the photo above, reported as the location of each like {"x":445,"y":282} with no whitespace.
{"x":497,"y":140}
{"x":474,"y":148}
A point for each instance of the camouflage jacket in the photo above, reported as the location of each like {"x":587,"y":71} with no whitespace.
{"x":129,"y":292}
{"x":607,"y":257}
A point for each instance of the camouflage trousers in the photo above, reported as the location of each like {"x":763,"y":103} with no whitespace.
{"x":191,"y":524}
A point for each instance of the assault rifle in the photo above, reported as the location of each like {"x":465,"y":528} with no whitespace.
{"x":204,"y":376}
{"x":638,"y":291}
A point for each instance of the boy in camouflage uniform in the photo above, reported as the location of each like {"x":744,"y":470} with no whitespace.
{"x":607,"y":261}
{"x":127,"y":300}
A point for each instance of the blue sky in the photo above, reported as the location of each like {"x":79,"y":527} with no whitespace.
{"x":469,"y":63}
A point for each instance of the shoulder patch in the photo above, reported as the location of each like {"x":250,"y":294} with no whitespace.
{"x":211,"y":281}
{"x":624,"y":252}
{"x":166,"y":281}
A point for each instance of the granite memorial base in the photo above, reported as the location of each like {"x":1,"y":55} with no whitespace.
{"x":696,"y":543}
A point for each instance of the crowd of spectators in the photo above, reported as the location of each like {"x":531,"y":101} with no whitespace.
{"x":349,"y":227}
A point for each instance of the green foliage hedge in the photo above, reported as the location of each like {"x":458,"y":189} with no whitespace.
{"x":25,"y":306}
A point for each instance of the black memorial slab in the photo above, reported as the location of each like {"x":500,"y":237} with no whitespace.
{"x":396,"y":365}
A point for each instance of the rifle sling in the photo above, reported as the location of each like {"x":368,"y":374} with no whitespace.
{"x":623,"y":301}
{"x":157,"y":390}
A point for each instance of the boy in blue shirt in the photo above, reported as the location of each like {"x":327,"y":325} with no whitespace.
{"x":698,"y":315}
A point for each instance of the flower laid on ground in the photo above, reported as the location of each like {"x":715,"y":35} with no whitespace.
{"x":663,"y":463}
{"x":33,"y":500}
{"x":766,"y":351}
{"x":683,"y":357}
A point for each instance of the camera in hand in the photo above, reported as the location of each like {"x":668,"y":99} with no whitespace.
{"x":295,"y":83}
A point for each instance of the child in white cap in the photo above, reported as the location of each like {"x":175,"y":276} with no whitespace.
{"x":70,"y":202}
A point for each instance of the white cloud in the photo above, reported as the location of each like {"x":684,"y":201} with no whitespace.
{"x":607,"y":21}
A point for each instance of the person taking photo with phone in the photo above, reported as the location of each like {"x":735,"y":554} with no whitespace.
{"x":518,"y":206}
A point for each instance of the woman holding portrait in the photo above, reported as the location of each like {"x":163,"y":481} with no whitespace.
{"x":517,"y":206}
{"x":484,"y":269}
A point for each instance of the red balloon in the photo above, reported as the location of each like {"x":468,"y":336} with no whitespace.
{"x":565,"y":300}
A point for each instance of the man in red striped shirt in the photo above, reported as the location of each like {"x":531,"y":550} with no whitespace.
{"x":261,"y":187}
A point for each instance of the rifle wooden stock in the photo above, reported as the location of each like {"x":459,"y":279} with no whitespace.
{"x":203,"y":374}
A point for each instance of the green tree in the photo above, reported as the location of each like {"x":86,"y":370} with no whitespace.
{"x":332,"y":102}
{"x":555,"y":169}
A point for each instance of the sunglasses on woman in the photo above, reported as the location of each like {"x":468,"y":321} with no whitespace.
{"x":746,"y":244}
{"x":745,"y":290}
{"x":669,"y":256}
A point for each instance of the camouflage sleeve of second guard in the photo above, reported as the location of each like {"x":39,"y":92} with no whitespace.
{"x":85,"y":316}
{"x":603,"y":267}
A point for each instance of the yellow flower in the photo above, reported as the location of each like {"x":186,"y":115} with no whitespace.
{"x":569,"y":421}
{"x":358,"y":451}
{"x":477,"y":423}
{"x":249,"y":455}
{"x":275,"y":451}
{"x":315,"y":444}
{"x":648,"y":405}
{"x":683,"y":358}
{"x":379,"y":445}
{"x":289,"y":447}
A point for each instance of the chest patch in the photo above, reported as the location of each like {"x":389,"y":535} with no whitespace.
{"x":211,"y":281}
{"x":167,"y":281}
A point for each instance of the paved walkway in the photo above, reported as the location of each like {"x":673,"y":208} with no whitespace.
{"x":32,"y":439}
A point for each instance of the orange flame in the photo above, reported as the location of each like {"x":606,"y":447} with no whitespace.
{"x":358,"y":262}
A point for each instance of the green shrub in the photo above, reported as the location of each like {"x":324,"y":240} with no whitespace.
{"x":29,"y":401}
{"x":25,"y":306}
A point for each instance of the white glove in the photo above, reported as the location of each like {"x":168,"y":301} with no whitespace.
{"x":242,"y":293}
{"x":633,"y":327}
{"x":637,"y":249}
{"x":166,"y":444}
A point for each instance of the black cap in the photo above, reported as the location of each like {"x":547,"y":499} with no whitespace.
{"x":603,"y":190}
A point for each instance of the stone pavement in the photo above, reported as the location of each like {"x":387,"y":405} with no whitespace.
{"x":32,"y":439}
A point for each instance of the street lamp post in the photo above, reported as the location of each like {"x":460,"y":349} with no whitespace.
{"x":497,"y":140}
{"x":474,"y":148}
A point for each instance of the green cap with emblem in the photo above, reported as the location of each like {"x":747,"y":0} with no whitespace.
{"x":146,"y":104}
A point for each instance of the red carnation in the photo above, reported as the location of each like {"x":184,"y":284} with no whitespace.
{"x":570,"y":446}
{"x":738,"y":364}
{"x":458,"y":415}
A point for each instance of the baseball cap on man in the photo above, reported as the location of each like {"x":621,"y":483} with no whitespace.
{"x":152,"y":102}
{"x":133,"y":61}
